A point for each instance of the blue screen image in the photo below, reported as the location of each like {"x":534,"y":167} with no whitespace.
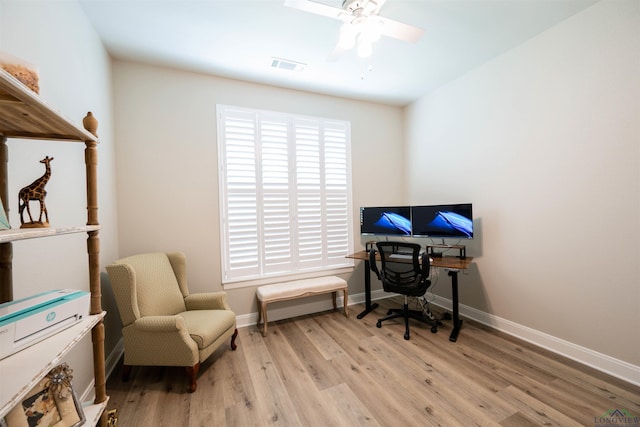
{"x":453,"y":222}
{"x":394,"y":221}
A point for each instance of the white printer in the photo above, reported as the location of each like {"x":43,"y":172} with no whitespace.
{"x":26,"y":321}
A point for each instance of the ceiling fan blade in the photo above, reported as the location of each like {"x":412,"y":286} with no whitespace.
{"x":400,"y":30}
{"x":372,"y":7}
{"x":315,"y":7}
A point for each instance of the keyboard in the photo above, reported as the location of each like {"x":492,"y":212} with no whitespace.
{"x":400,"y":256}
{"x":407,"y":256}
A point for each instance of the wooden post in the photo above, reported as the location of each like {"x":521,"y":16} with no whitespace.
{"x":6,"y":249}
{"x":93,"y":250}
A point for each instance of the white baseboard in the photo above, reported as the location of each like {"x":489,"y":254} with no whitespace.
{"x":114,"y":356}
{"x":602,"y":362}
{"x":89,"y":393}
{"x":303,"y":308}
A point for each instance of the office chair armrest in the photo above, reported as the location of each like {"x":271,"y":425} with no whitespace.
{"x":207,"y":301}
{"x":372,"y":263}
{"x":160,"y":323}
{"x":426,"y":266}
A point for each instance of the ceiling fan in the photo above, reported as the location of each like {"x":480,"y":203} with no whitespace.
{"x":361,"y":24}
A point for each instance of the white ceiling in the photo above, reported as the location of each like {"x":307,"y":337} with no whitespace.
{"x":238,"y":38}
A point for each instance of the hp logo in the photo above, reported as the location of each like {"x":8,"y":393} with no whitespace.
{"x":51,"y":316}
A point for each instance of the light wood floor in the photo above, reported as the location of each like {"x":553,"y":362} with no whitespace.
{"x":327,"y":370}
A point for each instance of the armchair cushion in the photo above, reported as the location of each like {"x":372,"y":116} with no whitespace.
{"x":206,"y":326}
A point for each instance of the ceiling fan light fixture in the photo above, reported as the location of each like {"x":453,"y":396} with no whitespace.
{"x":348,"y":34}
{"x":371,"y":29}
{"x":365,"y":47}
{"x":362,"y":24}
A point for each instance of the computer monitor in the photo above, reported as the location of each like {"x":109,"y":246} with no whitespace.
{"x":443,"y":221}
{"x":385,"y":221}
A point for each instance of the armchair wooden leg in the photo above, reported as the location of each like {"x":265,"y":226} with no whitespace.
{"x":126,"y":371}
{"x":233,"y":339}
{"x":192,"y":372}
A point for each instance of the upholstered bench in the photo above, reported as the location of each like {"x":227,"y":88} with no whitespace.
{"x":298,"y":289}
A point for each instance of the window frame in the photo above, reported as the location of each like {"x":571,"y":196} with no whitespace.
{"x":333,"y":149}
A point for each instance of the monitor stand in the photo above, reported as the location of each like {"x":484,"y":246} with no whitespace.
{"x":462,"y":254}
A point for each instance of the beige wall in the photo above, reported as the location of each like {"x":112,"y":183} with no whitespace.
{"x":545,"y":141}
{"x":168,"y":166}
{"x":75,"y":77}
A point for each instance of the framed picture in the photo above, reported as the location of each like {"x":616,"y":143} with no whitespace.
{"x":51,"y":403}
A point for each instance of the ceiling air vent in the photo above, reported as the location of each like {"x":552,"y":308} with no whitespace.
{"x":287,"y":65}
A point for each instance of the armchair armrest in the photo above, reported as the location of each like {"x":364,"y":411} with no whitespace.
{"x":160,"y":324}
{"x":159,"y":341}
{"x":207,"y":301}
{"x":426,"y":266}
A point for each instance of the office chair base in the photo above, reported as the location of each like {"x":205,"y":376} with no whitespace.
{"x":407,"y":314}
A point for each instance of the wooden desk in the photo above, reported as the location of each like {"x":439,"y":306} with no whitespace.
{"x":451,"y":264}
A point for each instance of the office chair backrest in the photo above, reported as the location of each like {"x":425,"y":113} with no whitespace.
{"x":403,"y":270}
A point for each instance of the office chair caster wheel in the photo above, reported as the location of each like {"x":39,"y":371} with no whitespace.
{"x":434,"y":329}
{"x":379,"y":324}
{"x":406,"y":336}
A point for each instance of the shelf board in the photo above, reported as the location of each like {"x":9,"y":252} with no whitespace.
{"x":33,"y":233}
{"x":24,"y":114}
{"x":21,"y":371}
{"x":93,"y":411}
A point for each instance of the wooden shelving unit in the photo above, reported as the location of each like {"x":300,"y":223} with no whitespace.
{"x":24,"y":115}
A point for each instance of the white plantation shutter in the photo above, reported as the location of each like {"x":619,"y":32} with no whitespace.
{"x":285,"y":186}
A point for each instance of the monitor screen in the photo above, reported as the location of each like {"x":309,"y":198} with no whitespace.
{"x":386,"y":221}
{"x":443,"y":221}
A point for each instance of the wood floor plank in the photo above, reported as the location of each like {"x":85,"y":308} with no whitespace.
{"x":142,"y":400}
{"x":347,"y":338}
{"x":518,"y":420}
{"x":535,"y":410}
{"x":583,"y":377}
{"x":324,"y":369}
{"x":349,"y":407}
{"x":204,"y":409}
{"x":310,"y":356}
{"x":473,"y":404}
{"x":273,"y":403}
{"x":298,"y":379}
{"x":375,"y":394}
{"x":322,"y":341}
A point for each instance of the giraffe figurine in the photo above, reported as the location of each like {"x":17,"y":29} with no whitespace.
{"x":35,"y":191}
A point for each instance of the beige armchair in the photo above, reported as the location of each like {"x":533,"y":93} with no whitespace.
{"x":162,"y":324}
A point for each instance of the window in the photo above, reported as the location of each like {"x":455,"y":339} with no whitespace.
{"x":285,"y":194}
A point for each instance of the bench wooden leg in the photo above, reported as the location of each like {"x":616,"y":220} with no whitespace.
{"x":334,"y":295}
{"x":346,"y":297}
{"x":263,"y":311}
{"x":259,"y":313}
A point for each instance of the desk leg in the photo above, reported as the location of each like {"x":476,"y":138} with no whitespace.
{"x":457,"y":323}
{"x":367,"y":291}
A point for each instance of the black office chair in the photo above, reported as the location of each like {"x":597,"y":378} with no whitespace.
{"x":404,"y":272}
